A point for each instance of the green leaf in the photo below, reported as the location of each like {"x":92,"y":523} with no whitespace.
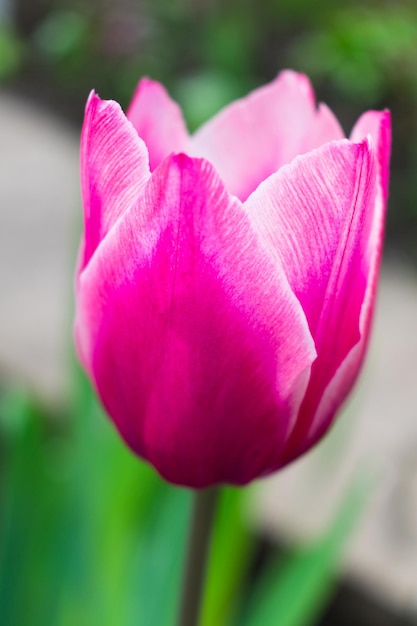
{"x":231,"y":551}
{"x":295,"y":593}
{"x":156,"y":577}
{"x":32,"y":509}
{"x":112,"y":499}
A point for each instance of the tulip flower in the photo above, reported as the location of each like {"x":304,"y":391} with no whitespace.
{"x":226,"y":280}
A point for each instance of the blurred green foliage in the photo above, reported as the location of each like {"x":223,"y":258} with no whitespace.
{"x":11,"y":52}
{"x":90,"y":535}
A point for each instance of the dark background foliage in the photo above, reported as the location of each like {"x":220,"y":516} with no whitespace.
{"x":359,"y":55}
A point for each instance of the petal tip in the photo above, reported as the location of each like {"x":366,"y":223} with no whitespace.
{"x":95,"y":104}
{"x":297,"y":80}
{"x":92,"y":102}
{"x":144,"y":83}
{"x":146,"y":87}
{"x":181,"y":159}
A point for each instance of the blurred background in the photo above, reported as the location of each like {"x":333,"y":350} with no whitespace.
{"x":89,"y":535}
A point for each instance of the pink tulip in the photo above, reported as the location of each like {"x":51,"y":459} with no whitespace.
{"x":226,"y":280}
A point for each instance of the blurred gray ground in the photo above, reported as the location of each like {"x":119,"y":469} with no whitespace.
{"x":39,"y":209}
{"x":375,"y":439}
{"x":39,"y":213}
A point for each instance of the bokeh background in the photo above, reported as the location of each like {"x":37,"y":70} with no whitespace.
{"x":88,"y":535}
{"x":359,"y":55}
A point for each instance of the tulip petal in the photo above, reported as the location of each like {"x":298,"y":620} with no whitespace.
{"x":378,"y":125}
{"x":114,"y":170}
{"x":158,"y":121}
{"x":318,"y":214}
{"x":324,"y":128}
{"x":252,"y":138}
{"x":199,"y":348}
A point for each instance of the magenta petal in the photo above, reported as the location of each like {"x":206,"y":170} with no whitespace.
{"x":213,"y":353}
{"x":252,"y":138}
{"x":303,"y":211}
{"x":114,"y":170}
{"x":318,"y":213}
{"x":324,"y":128}
{"x":158,"y":121}
{"x":378,"y":125}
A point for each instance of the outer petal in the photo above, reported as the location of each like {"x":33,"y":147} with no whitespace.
{"x":197,"y":345}
{"x":158,"y":120}
{"x":252,"y":138}
{"x":378,"y":125}
{"x":317,"y":213}
{"x":114,"y":170}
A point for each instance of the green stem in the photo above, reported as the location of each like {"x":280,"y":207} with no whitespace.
{"x":197,"y":553}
